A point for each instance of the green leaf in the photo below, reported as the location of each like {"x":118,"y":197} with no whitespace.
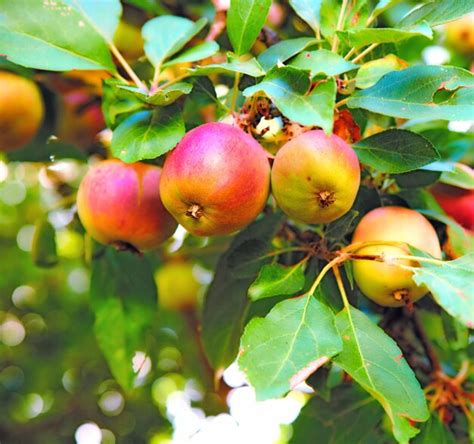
{"x":166,"y":35}
{"x":460,"y":240}
{"x":118,"y":102}
{"x":460,"y":176}
{"x":434,"y":431}
{"x":374,"y":360}
{"x":276,"y":280}
{"x":198,"y":52}
{"x":149,"y":5}
{"x":349,"y":417}
{"x":161,"y":97}
{"x":202,"y":95}
{"x":411,"y":93}
{"x":367,"y":36}
{"x":246,"y":259}
{"x":383,"y":5}
{"x":281,"y":350}
{"x":417,"y":179}
{"x":438,"y":12}
{"x":371,"y":72}
{"x":43,"y":249}
{"x":322,"y":61}
{"x":148,"y":134}
{"x":396,"y":151}
{"x":245,"y":19}
{"x":309,"y":11}
{"x":288,"y":88}
{"x":282,"y":51}
{"x":450,"y":283}
{"x":103,"y":15}
{"x":250,"y":67}
{"x":30,"y":36}
{"x":226,"y":301}
{"x":124,"y":308}
{"x":356,"y":16}
{"x":342,"y":226}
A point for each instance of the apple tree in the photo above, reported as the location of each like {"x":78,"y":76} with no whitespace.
{"x":293,"y":179}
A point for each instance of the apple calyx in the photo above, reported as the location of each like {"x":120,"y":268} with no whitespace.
{"x":325,"y":198}
{"x":195,"y":211}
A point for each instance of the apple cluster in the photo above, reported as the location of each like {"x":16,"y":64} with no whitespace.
{"x":215,"y":182}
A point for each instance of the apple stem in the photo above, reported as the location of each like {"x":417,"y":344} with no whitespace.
{"x":127,"y":67}
{"x":425,"y":342}
{"x":339,"y":26}
{"x":194,"y":211}
{"x":340,"y":285}
{"x":332,"y":264}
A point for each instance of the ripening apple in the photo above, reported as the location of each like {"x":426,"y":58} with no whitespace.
{"x":216,"y":181}
{"x":460,"y":34}
{"x":276,"y":15}
{"x":128,"y":40}
{"x":387,"y":284}
{"x":315,"y":177}
{"x":456,"y":202}
{"x":21,"y":111}
{"x":177,"y":285}
{"x":119,"y":204}
{"x":80,"y":119}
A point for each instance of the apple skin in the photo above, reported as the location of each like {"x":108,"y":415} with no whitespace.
{"x":128,"y":40}
{"x":178,"y":288}
{"x":119,"y":204}
{"x":379,"y":281}
{"x":456,"y":202}
{"x":80,"y":119}
{"x":21,"y":111}
{"x":315,"y":177}
{"x":216,"y":181}
{"x":276,"y":15}
{"x":460,"y":34}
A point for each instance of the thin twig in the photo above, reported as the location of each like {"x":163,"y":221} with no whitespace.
{"x":349,"y":54}
{"x":355,"y":247}
{"x":341,"y":102}
{"x":235,"y":91}
{"x":340,"y":23}
{"x":193,"y":326}
{"x":425,"y":342}
{"x":370,"y":20}
{"x":336,"y":261}
{"x":318,"y":34}
{"x":409,"y":257}
{"x":340,"y":284}
{"x":126,"y":67}
{"x":175,"y":80}
{"x":156,"y":78}
{"x":365,"y":52}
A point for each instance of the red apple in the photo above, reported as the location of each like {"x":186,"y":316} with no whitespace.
{"x":119,"y":204}
{"x":456,"y":202}
{"x":315,"y":177}
{"x":216,"y":181}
